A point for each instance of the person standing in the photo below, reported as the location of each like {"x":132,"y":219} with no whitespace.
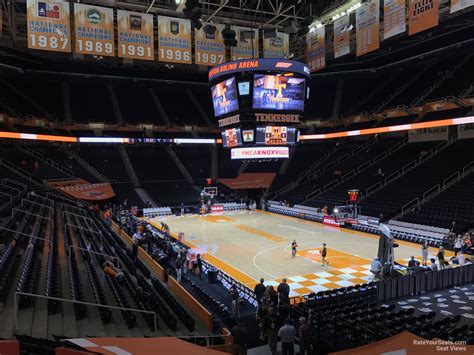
{"x":234,"y":294}
{"x":287,"y":334}
{"x":424,"y":253}
{"x":305,"y":337}
{"x":440,"y":257}
{"x":284,"y":292}
{"x":259,"y":291}
{"x":457,"y":245}
{"x":294,"y":245}
{"x":270,"y":325}
{"x":433,"y":267}
{"x":324,"y":253}
{"x":179,"y":268}
{"x":240,"y":335}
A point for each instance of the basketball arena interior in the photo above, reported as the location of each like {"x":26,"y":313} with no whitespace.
{"x":236,"y":177}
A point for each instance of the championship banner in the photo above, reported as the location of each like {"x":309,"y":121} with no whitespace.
{"x":209,"y":49}
{"x":135,"y":35}
{"x":316,"y":49}
{"x":422,"y":14}
{"x":94,"y":30}
{"x":247,"y":43}
{"x":48,"y":25}
{"x":456,"y":5}
{"x":341,"y":36}
{"x":277,"y":47}
{"x":174,"y":40}
{"x":367,"y":28}
{"x":394,"y":21}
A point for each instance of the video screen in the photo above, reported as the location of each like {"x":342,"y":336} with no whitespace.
{"x":278,"y":92}
{"x":224,"y":97}
{"x":244,"y":88}
{"x":276,"y":135}
{"x":231,"y":138}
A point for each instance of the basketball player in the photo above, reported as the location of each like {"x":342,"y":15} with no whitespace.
{"x":293,"y":248}
{"x":323,"y":254}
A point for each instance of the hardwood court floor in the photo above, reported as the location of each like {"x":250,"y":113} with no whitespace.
{"x":251,"y":245}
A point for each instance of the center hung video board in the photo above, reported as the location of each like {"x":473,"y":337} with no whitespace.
{"x":278,"y":92}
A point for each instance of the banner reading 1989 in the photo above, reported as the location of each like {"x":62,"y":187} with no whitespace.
{"x":94,"y":30}
{"x":209,"y":49}
{"x":48,"y":25}
{"x":174,"y":40}
{"x":135,"y":35}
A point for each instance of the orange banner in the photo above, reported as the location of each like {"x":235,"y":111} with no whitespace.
{"x":342,"y":31}
{"x":367,"y":28}
{"x":276,"y":47}
{"x":394,"y":19}
{"x":247,"y":43}
{"x":422,"y":14}
{"x":249,"y":181}
{"x":316,"y":48}
{"x":94,"y":30}
{"x":48,"y":25}
{"x":174,"y":40}
{"x":82,"y":190}
{"x":135,"y":35}
{"x":458,"y":5}
{"x":209,"y":49}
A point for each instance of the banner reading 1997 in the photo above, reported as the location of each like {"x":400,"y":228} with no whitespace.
{"x":94,"y":30}
{"x":174,"y":40}
{"x":48,"y":25}
{"x":135,"y":35}
{"x":316,"y":49}
{"x":247,"y":43}
{"x":209,"y":49}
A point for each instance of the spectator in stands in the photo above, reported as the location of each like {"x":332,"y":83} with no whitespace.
{"x":287,"y":334}
{"x":182,"y":208}
{"x":440,"y":257}
{"x":270,"y":325}
{"x":411,"y":263}
{"x":36,"y":165}
{"x":304,"y":333}
{"x":112,"y":271}
{"x":262,"y":311}
{"x":198,"y":266}
{"x":179,"y":267}
{"x":260,"y":291}
{"x":108,"y":217}
{"x":433,"y":267}
{"x":284,"y":292}
{"x":380,"y":173}
{"x":234,"y":295}
{"x":376,"y":267}
{"x":240,"y":336}
{"x":137,"y":238}
{"x":424,"y":253}
{"x":417,"y":268}
{"x":457,"y":245}
{"x":134,"y":251}
{"x":142,"y":296}
{"x":272,"y":296}
{"x":467,"y":245}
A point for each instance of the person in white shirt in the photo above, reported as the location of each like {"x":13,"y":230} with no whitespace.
{"x":457,"y":245}
{"x":136,"y":238}
{"x":376,"y":267}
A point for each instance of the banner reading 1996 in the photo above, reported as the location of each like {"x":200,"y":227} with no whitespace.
{"x":48,"y":25}
{"x":209,"y":49}
{"x":316,"y":49}
{"x":367,"y":28}
{"x":135,"y":35}
{"x":247,"y":43}
{"x":276,"y":47}
{"x":94,"y":30}
{"x":174,"y":40}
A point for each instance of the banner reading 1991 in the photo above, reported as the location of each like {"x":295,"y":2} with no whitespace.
{"x":94,"y":30}
{"x":174,"y":40}
{"x":48,"y":25}
{"x":247,"y":43}
{"x":209,"y":49}
{"x":135,"y":35}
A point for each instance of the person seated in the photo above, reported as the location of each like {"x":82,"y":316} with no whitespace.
{"x":433,"y":267}
{"x":112,"y":271}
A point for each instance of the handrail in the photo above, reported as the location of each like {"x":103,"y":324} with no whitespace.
{"x":45,"y":198}
{"x":33,"y":214}
{"x":436,"y":188}
{"x":16,"y":304}
{"x":392,"y":176}
{"x":71,"y":206}
{"x":25,"y":187}
{"x":451,"y":177}
{"x":88,"y":230}
{"x":81,"y":216}
{"x":11,"y":188}
{"x":37,"y":203}
{"x":467,"y":167}
{"x":94,"y":252}
{"x":415,"y":201}
{"x":4,"y":193}
{"x":26,"y":235}
{"x":409,"y":166}
{"x":373,"y":187}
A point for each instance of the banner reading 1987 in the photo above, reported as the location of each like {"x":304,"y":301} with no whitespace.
{"x":209,"y":49}
{"x":135,"y":35}
{"x":48,"y":25}
{"x":174,"y":40}
{"x":94,"y":30}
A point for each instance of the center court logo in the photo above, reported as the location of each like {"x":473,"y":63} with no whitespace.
{"x":94,"y":16}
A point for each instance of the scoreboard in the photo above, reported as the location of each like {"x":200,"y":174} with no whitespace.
{"x":259,"y":103}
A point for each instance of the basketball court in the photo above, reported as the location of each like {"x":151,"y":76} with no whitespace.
{"x":251,"y":245}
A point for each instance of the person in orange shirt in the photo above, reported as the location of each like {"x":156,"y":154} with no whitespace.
{"x":114,"y":273}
